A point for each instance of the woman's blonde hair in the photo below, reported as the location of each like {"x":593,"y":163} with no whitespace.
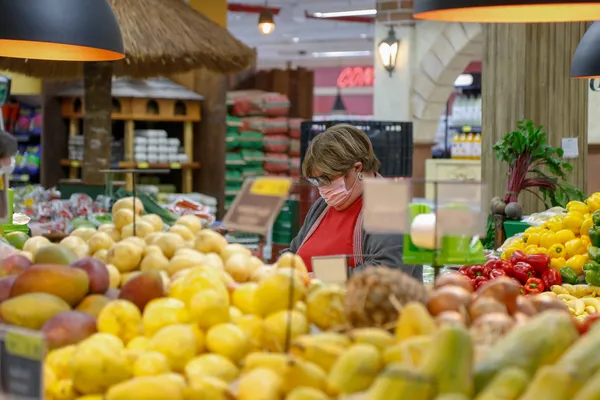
{"x":335,"y":151}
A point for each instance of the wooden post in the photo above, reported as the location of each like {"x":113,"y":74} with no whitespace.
{"x":97,"y":123}
{"x":526,"y":76}
{"x":129,"y":139}
{"x":188,"y":145}
{"x":73,"y":131}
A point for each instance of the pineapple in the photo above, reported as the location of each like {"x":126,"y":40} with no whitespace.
{"x":375,"y":296}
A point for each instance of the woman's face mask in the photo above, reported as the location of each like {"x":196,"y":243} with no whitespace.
{"x":335,"y":194}
{"x":7,"y":166}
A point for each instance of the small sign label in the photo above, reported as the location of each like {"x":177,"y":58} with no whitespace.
{"x":143,"y":165}
{"x":176,"y":165}
{"x":332,"y":269}
{"x":257,"y":205}
{"x":570,"y":147}
{"x":21,"y":363}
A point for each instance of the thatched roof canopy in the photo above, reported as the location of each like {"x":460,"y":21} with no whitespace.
{"x":162,"y":37}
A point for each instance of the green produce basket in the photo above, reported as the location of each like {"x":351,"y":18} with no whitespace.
{"x":512,"y":228}
{"x":251,"y":140}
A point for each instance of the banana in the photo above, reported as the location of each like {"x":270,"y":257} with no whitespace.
{"x":583,"y":291}
{"x":592,"y":301}
{"x":567,"y":297}
{"x":355,"y":370}
{"x":379,"y":338}
{"x":414,"y":320}
{"x":324,"y":337}
{"x":276,"y":362}
{"x":260,"y":383}
{"x":558,"y":289}
{"x":578,"y":306}
{"x":569,"y":288}
{"x":550,"y":295}
{"x":590,"y":309}
{"x":595,"y":290}
{"x":320,"y":353}
{"x":302,"y":373}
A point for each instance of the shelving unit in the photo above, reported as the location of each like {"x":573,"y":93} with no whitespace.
{"x":140,"y":102}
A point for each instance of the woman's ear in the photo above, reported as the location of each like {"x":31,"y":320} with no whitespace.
{"x":358,"y":167}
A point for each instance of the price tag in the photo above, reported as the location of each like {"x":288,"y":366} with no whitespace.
{"x":257,"y":204}
{"x":75,"y":164}
{"x":21,"y":363}
{"x":176,"y":165}
{"x":278,"y":187}
{"x":143,"y":165}
{"x":333,"y":269}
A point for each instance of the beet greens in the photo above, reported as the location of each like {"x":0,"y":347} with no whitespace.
{"x":533,"y":163}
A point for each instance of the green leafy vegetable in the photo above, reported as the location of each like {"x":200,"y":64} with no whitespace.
{"x":533,"y":163}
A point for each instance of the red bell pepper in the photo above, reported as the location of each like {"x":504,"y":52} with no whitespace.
{"x":518,"y":256}
{"x":480,"y":280}
{"x":522,"y":290}
{"x":539,"y":262}
{"x":493,"y":263}
{"x":476,"y":270}
{"x":588,"y":322}
{"x":464,"y":270}
{"x":534,"y":286}
{"x":523,"y":271}
{"x":551,"y":277}
{"x":508,"y":268}
{"x":496,"y":273}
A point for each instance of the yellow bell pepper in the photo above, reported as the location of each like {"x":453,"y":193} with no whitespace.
{"x":554,"y":224}
{"x":548,"y":239}
{"x":507,"y":253}
{"x":541,"y":250}
{"x":532,"y":238}
{"x":575,"y":247}
{"x":586,"y":240}
{"x":579,"y":206}
{"x":557,"y":263}
{"x":557,"y":251}
{"x":593,"y":202}
{"x":532,"y":249}
{"x":573,"y":221}
{"x":585,"y":226}
{"x":564,"y":235}
{"x":534,"y":229}
{"x":576,"y":263}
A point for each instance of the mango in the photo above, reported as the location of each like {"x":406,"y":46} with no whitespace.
{"x":70,"y":327}
{"x":32,"y":310}
{"x":93,"y":304}
{"x":97,"y":273}
{"x":70,"y":284}
{"x":55,"y":254}
{"x":143,"y":288}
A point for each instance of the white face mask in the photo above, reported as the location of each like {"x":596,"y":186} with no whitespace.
{"x":7,"y":169}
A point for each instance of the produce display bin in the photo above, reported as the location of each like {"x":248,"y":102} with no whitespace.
{"x":511,"y":228}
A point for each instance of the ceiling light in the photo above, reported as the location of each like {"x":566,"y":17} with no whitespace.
{"x":586,"y":61}
{"x":464,"y":80}
{"x":295,"y":40}
{"x":363,"y":35}
{"x":507,"y":11}
{"x":339,"y":14}
{"x":388,"y":51}
{"x":60,"y":30}
{"x":266,"y":23}
{"x":359,"y":53}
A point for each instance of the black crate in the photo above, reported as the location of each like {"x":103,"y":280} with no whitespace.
{"x":392,"y":142}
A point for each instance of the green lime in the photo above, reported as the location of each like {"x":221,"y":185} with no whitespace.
{"x":16,"y":239}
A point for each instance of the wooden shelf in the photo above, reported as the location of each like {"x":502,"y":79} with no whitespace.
{"x":139,"y":165}
{"x":143,"y":117}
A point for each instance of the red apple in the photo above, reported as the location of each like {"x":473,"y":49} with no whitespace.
{"x":6,"y":283}
{"x":97,"y":272}
{"x":14,"y":264}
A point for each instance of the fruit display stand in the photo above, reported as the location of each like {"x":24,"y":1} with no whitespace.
{"x":142,"y":104}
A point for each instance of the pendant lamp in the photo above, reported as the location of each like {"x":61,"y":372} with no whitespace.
{"x":61,"y":30}
{"x":586,"y":61}
{"x":338,"y":105}
{"x":507,"y":11}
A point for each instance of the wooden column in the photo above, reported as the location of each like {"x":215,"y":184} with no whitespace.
{"x":526,"y":76}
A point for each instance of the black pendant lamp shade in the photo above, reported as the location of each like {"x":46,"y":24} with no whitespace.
{"x":62,"y":30}
{"x":507,"y":11}
{"x":586,"y":61}
{"x":338,"y":105}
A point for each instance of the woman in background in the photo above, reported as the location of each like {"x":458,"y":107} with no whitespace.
{"x":336,"y":162}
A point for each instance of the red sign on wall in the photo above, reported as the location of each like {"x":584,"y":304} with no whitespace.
{"x":356,"y":77}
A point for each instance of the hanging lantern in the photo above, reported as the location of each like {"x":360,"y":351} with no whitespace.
{"x":61,"y":30}
{"x":586,"y":61}
{"x":388,"y":51}
{"x":507,"y":11}
{"x":266,"y":23}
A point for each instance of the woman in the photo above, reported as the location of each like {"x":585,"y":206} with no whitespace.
{"x":337,"y":161}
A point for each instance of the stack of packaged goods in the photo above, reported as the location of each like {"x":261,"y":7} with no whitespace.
{"x":257,"y":141}
{"x":155,"y":146}
{"x":294,"y":153}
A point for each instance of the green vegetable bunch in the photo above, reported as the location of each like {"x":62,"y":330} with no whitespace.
{"x":533,"y":163}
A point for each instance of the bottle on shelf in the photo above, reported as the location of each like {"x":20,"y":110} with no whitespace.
{"x":454,"y":148}
{"x":477,"y":147}
{"x":468,"y":144}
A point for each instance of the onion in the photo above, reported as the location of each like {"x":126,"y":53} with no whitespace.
{"x":543,"y":303}
{"x":490,"y":327}
{"x":449,"y":318}
{"x":454,"y":279}
{"x":485,"y":305}
{"x":503,"y":289}
{"x":525,"y":306}
{"x":448,"y":298}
